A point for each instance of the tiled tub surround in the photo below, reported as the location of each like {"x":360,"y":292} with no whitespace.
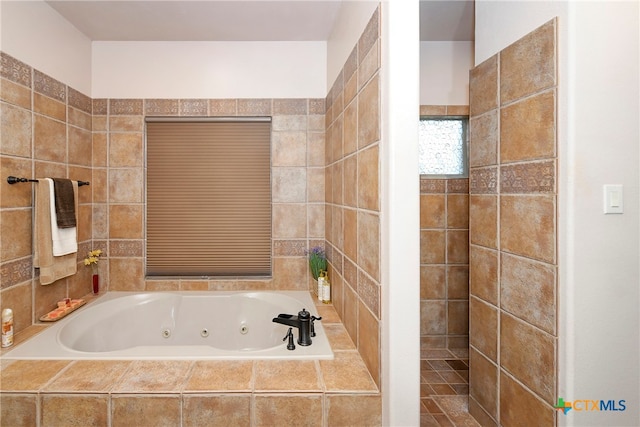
{"x":189,"y":393}
{"x":49,"y":129}
{"x":513,"y":234}
{"x":444,"y":254}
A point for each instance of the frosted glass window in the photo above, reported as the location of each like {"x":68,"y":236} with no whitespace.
{"x":443,"y":146}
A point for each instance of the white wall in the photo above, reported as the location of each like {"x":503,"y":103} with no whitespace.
{"x":444,"y":72}
{"x":598,"y":143}
{"x":400,"y":222}
{"x":209,"y":70}
{"x":350,"y":22}
{"x":35,"y":34}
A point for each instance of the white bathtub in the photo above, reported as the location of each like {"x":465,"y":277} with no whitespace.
{"x":178,"y":326}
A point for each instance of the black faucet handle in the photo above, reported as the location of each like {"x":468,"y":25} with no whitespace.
{"x":313,"y":329}
{"x":285,"y":316}
{"x":290,"y":344}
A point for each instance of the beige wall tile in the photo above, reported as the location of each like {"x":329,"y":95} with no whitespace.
{"x":483,"y":273}
{"x":457,"y":210}
{"x":529,"y":354}
{"x":483,"y":87}
{"x":79,"y":143}
{"x":126,"y":123}
{"x":125,"y":221}
{"x":89,"y":376}
{"x":289,"y":220}
{"x":80,"y":119}
{"x":271,"y":410}
{"x":368,"y":181}
{"x":126,"y":274}
{"x":15,"y":195}
{"x":16,"y":233}
{"x":17,"y":123}
{"x":458,"y":282}
{"x":125,"y":150}
{"x":483,"y":139}
{"x":433,"y":319}
{"x":15,"y":94}
{"x":289,"y":273}
{"x":161,"y":410}
{"x":50,"y":139}
{"x":18,"y":298}
{"x":528,"y":291}
{"x":74,"y":410}
{"x":483,"y":382}
{"x":369,"y":113}
{"x":432,"y":246}
{"x":483,"y":328}
{"x":483,"y":220}
{"x":369,"y":243}
{"x":528,"y":65}
{"x":289,"y":184}
{"x":527,"y":129}
{"x":343,"y":410}
{"x":49,"y":107}
{"x":527,"y":226}
{"x":457,"y":246}
{"x":432,"y":211}
{"x":289,"y":148}
{"x":216,"y":410}
{"x":315,"y":185}
{"x":432,"y":282}
{"x":350,"y":315}
{"x":518,"y":406}
{"x":18,"y":410}
{"x":458,"y":317}
{"x":49,"y":86}
{"x":369,"y":341}
{"x":350,"y":238}
{"x":350,"y":171}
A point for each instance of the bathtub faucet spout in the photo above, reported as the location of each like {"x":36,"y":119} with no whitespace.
{"x":302,"y":321}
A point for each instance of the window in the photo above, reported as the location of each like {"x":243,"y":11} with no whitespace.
{"x":208,"y":197}
{"x":443,"y":146}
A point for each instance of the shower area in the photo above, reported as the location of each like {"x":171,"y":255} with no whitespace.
{"x":488,"y":249}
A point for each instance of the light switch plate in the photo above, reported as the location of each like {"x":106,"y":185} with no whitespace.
{"x":613,"y":199}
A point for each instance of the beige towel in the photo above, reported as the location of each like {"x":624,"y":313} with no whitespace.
{"x":51,"y":268}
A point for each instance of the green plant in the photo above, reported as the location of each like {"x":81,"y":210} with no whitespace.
{"x":317,"y":261}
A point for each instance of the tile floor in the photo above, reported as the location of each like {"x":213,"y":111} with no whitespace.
{"x":444,"y":388}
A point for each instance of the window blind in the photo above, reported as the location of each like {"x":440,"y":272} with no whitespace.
{"x":208,"y":197}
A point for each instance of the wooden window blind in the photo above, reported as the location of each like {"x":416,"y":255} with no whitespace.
{"x":208,"y":197}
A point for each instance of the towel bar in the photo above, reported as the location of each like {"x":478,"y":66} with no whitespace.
{"x":13,"y":180}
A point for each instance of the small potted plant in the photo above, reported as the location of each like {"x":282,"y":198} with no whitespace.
{"x":92,"y":261}
{"x":317,"y":261}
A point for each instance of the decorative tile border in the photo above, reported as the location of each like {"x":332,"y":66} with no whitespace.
{"x":15,"y":272}
{"x":289,"y":247}
{"x":49,"y":86}
{"x":483,"y":181}
{"x":125,"y":107}
{"x":194,"y":107}
{"x":290,"y":106}
{"x":161,"y":107}
{"x":80,"y":101}
{"x":14,"y":70}
{"x":432,"y":185}
{"x":536,"y":177}
{"x":100,"y":106}
{"x":458,"y":185}
{"x":254,"y":107}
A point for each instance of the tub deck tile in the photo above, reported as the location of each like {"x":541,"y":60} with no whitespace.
{"x":154,"y":376}
{"x":220,"y":376}
{"x":30,"y":375}
{"x":89,"y":376}
{"x":347,"y":373}
{"x":286,"y":375}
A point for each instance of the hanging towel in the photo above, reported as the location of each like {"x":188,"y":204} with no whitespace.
{"x":65,"y":203}
{"x":65,"y":240}
{"x":51,"y":267}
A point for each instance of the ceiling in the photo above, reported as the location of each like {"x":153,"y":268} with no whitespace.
{"x":242,"y":20}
